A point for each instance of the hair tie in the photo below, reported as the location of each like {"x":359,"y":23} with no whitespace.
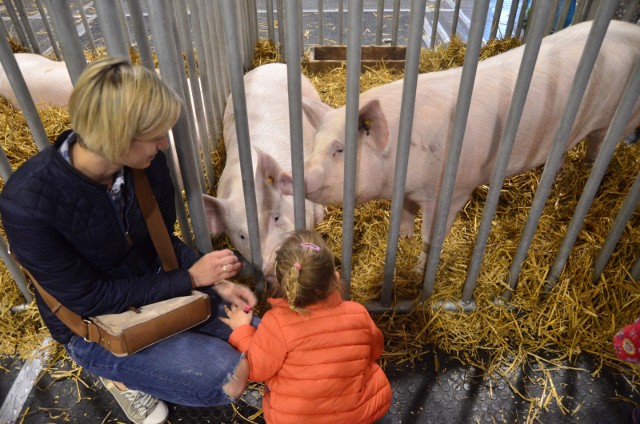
{"x":310,"y":246}
{"x":297,"y":266}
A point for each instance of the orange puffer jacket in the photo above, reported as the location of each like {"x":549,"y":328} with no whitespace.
{"x":320,"y":366}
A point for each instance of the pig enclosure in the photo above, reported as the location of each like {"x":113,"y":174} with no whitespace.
{"x":550,"y":270}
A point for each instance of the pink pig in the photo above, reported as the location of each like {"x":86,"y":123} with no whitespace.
{"x":268,"y":114}
{"x":436,"y":97}
{"x":48,"y":81}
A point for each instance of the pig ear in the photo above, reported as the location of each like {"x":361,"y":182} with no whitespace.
{"x":315,"y":110}
{"x":373,"y":124}
{"x":268,"y":169}
{"x":285,"y":183}
{"x":215,"y":210}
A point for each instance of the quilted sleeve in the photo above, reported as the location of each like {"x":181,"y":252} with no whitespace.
{"x":377,"y":340}
{"x":264,"y":346}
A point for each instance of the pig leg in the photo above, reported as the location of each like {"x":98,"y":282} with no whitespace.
{"x":594,"y":142}
{"x":407,"y":219}
{"x":459,"y":199}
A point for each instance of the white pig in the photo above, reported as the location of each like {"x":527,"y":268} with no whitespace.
{"x":268,"y":116}
{"x":436,"y":97}
{"x":47,"y":80}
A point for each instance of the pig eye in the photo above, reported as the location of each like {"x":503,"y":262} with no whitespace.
{"x":337,"y":147}
{"x":276,"y":218}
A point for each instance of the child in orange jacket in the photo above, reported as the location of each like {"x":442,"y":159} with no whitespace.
{"x":316,"y":352}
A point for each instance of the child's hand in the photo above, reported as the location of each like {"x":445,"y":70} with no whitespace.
{"x":236,"y":316}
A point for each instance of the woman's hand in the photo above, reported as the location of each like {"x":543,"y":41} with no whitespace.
{"x":214,"y":267}
{"x":236,"y":294}
{"x":236,"y":316}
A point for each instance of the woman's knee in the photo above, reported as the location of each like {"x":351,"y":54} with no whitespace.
{"x":238,"y":381}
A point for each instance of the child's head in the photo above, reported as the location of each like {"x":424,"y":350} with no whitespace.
{"x":305,"y":269}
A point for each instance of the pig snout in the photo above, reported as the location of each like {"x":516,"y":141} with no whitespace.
{"x":313,"y":183}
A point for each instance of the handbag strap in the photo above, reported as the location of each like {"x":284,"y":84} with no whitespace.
{"x":161,"y":242}
{"x":155,"y":223}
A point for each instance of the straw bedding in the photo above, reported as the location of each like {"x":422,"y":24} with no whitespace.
{"x":577,"y":316}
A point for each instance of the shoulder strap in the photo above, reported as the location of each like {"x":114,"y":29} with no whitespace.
{"x":159,"y":236}
{"x":155,"y":223}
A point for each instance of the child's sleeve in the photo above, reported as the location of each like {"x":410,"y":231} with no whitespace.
{"x":264,"y":346}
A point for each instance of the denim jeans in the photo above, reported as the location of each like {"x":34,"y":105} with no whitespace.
{"x":187,"y":369}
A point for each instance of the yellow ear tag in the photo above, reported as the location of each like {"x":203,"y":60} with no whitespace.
{"x":270,"y":180}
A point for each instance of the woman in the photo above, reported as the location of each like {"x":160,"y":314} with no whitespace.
{"x":72,"y":220}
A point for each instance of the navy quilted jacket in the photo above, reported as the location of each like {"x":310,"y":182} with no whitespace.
{"x":63,"y":228}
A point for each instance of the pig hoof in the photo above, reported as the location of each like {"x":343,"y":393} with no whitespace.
{"x":422,"y":262}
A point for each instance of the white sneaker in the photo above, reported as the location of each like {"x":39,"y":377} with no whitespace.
{"x":141,"y":408}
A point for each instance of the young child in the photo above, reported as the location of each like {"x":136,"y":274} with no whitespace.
{"x":315,"y":352}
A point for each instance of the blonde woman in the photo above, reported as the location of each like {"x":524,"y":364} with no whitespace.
{"x":72,"y":220}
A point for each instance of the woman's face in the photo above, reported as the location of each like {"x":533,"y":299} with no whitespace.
{"x":142,"y":152}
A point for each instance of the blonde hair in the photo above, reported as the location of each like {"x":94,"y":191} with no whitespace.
{"x":114,"y":102}
{"x":305,"y":270}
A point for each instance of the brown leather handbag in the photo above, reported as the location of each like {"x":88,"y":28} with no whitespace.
{"x":131,"y":331}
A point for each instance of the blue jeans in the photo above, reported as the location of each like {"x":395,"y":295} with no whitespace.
{"x":187,"y":369}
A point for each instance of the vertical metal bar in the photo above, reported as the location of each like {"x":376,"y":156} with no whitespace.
{"x":11,"y":68}
{"x":632,"y":10}
{"x":17,"y":25}
{"x":340,"y":22}
{"x":379,"y":21}
{"x":35,"y":47}
{"x":87,"y":28}
{"x":122,"y":20}
{"x":111,"y":28}
{"x":294,"y":83}
{"x":523,"y":82}
{"x":170,"y":69}
{"x":242,"y":132}
{"x":320,"y":22}
{"x":218,"y":37}
{"x":255,"y":33}
{"x":395,"y":22}
{"x":195,"y":109}
{"x":525,"y":23}
{"x":566,"y":5}
{"x":354,"y":60}
{"x":523,"y":13}
{"x":409,"y":87}
{"x":470,"y":65}
{"x":15,"y":270}
{"x":554,"y":160}
{"x":140,"y":33}
{"x":47,"y":27}
{"x":205,"y":74}
{"x":624,"y":214}
{"x":586,"y":10}
{"x":281,"y":24}
{"x":5,"y":167}
{"x":552,"y":18}
{"x":635,"y":270}
{"x":497,"y":13}
{"x":456,"y":14}
{"x":623,"y":112}
{"x":434,"y":27}
{"x":270,"y":32}
{"x":64,"y":26}
{"x":508,"y":32}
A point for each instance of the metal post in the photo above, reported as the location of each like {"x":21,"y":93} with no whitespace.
{"x":111,"y":28}
{"x":467,"y":79}
{"x":242,"y":133}
{"x":523,"y":82}
{"x":171,"y":69}
{"x":409,"y":88}
{"x":354,"y":48}
{"x":554,"y":159}
{"x":614,"y":133}
{"x":64,"y":26}
{"x":19,"y":86}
